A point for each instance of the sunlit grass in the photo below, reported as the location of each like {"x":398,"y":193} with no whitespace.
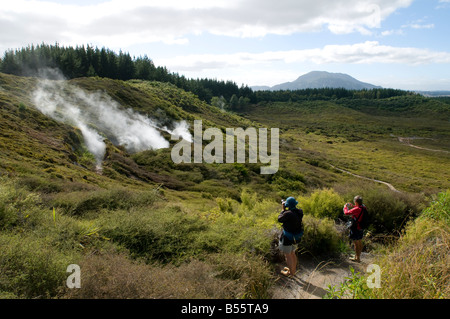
{"x":143,"y":218}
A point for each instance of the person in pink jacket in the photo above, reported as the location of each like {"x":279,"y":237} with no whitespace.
{"x":356,"y":231}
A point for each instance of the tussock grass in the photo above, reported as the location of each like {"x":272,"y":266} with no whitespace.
{"x":417,"y":267}
{"x":78,"y":203}
{"x":115,"y":276}
{"x":158,"y":242}
{"x":213,"y":235}
{"x":30,"y":267}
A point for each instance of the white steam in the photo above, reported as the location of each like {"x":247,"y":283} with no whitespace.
{"x":98,"y":117}
{"x":181,"y":130}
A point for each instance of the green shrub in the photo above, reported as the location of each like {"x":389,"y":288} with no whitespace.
{"x":173,"y":235}
{"x":16,"y":204}
{"x":320,"y":236}
{"x":248,"y":199}
{"x":233,"y":233}
{"x":87,"y":159}
{"x":80,"y":202}
{"x":286,"y":183}
{"x":66,"y":233}
{"x":246,"y":227}
{"x":30,"y":267}
{"x":354,"y":287}
{"x":388,"y":211}
{"x":439,"y":209}
{"x":22,"y":107}
{"x":322,"y":203}
{"x":39,"y":184}
{"x":165,"y":235}
{"x":225,"y":204}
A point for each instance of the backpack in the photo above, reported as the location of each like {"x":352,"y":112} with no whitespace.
{"x":363,"y":220}
{"x":288,"y":238}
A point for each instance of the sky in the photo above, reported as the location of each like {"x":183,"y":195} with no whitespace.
{"x":402,"y":44}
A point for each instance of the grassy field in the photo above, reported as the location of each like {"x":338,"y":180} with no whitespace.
{"x":363,"y":143}
{"x":144,"y":227}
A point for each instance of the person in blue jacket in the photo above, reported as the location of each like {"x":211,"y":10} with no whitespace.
{"x":291,"y":219}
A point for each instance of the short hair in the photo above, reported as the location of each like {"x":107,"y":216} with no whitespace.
{"x":358,"y":199}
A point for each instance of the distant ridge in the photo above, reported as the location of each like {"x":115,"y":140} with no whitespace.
{"x":320,"y":79}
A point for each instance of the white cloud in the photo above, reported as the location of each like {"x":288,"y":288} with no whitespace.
{"x":443,"y":4}
{"x":419,"y":24}
{"x":416,"y":25}
{"x":130,"y":22}
{"x":361,"y":53}
{"x":392,"y":32}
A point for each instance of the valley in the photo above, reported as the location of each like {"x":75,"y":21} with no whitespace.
{"x":207,"y":230}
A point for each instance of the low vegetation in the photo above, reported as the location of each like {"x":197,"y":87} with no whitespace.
{"x":144,"y":227}
{"x":415,"y":266}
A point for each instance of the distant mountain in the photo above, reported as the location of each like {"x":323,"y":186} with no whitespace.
{"x":321,"y":79}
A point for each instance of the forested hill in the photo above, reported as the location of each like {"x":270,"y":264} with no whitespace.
{"x":87,"y":61}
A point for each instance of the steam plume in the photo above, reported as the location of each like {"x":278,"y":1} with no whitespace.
{"x":98,"y":117}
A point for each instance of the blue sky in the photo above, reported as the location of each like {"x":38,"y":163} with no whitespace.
{"x":392,"y":43}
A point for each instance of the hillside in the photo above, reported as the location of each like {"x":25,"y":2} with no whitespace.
{"x":321,"y":79}
{"x":59,"y":148}
{"x":88,"y":61}
{"x":141,"y":226}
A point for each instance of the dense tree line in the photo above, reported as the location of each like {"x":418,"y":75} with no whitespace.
{"x":83,"y":61}
{"x":327,"y":94}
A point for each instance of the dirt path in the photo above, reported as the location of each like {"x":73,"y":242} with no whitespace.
{"x":312,"y":278}
{"x":391,"y":187}
{"x":403,"y":140}
{"x":407,"y":141}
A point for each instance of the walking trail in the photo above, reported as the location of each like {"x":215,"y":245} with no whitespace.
{"x":313,"y":278}
{"x":391,"y":187}
{"x":407,"y":141}
{"x":403,"y":140}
